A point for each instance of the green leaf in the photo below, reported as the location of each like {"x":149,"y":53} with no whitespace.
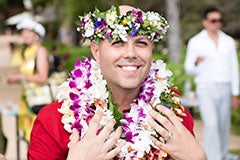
{"x":118,"y":10}
{"x":113,"y":107}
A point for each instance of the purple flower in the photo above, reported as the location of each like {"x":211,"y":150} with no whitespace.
{"x":77,"y":125}
{"x":108,"y":34}
{"x":141,"y":114}
{"x":74,"y":106}
{"x":134,"y":30}
{"x":99,"y":23}
{"x":72,"y":84}
{"x":128,"y":119}
{"x":147,"y":90}
{"x":77,"y":73}
{"x":78,"y":63}
{"x":73,"y":96}
{"x":88,"y":84}
{"x":138,"y":15}
{"x":129,"y":136}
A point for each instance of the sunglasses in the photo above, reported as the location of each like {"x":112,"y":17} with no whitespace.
{"x":215,"y":21}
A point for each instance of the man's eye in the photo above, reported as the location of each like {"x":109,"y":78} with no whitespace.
{"x":143,"y":43}
{"x":117,"y":43}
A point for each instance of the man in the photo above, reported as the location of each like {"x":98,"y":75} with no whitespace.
{"x":211,"y":58}
{"x":123,"y":63}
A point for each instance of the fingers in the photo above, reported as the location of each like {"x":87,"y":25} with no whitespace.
{"x":104,"y":134}
{"x":113,"y":139}
{"x":159,"y":129}
{"x":94,"y":123}
{"x":158,"y":143}
{"x":164,"y":121}
{"x":166,"y":124}
{"x":114,"y":152}
{"x":111,"y":142}
{"x":74,"y":137}
{"x":170,"y":116}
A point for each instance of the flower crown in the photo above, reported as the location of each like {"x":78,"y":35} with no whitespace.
{"x":111,"y":25}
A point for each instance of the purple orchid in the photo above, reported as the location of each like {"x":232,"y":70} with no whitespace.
{"x":99,"y":24}
{"x":138,"y":15}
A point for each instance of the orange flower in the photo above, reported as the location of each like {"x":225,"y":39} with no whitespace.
{"x":99,"y":103}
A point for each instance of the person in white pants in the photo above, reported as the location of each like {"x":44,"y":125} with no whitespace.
{"x":212,"y":59}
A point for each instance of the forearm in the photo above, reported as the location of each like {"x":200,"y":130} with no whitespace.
{"x":37,"y":78}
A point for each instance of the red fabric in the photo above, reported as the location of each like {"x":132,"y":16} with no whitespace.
{"x":188,"y":121}
{"x":49,"y":139}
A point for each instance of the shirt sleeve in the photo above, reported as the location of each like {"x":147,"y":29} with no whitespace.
{"x":48,"y":138}
{"x":190,"y":59}
{"x":234,"y":71}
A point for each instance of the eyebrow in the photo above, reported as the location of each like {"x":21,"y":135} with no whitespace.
{"x":141,"y":38}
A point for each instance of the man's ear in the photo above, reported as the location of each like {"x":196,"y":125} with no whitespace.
{"x":95,"y":51}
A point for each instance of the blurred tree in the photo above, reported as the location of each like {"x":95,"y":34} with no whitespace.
{"x":174,"y":39}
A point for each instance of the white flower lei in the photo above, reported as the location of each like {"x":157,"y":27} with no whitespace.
{"x":87,"y":87}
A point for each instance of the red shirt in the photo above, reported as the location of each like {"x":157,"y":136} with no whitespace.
{"x":49,"y":139}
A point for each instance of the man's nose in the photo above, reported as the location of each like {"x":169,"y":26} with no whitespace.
{"x":130,"y":52}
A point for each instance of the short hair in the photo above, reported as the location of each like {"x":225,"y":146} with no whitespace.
{"x":210,"y":10}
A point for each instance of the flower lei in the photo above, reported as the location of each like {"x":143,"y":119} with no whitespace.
{"x":111,"y":25}
{"x":86,"y":90}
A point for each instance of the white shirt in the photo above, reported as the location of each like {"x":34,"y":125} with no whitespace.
{"x":220,"y":64}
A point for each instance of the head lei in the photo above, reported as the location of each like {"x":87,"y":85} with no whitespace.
{"x":111,"y":25}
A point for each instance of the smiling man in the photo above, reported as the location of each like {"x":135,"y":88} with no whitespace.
{"x":109,"y":108}
{"x":126,"y":69}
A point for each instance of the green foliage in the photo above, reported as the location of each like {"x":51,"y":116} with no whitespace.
{"x":68,"y":54}
{"x":74,"y":54}
{"x":166,"y":99}
{"x":3,"y":2}
{"x":113,"y":107}
{"x":236,"y":121}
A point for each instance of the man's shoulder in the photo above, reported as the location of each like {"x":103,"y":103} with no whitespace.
{"x":50,"y":111}
{"x":226,"y":36}
{"x":197,"y":37}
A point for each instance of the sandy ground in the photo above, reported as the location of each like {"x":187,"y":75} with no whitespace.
{"x":10,"y":94}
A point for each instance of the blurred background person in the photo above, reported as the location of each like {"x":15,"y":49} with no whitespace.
{"x":55,"y":64}
{"x":212,"y":59}
{"x":17,"y":56}
{"x":33,"y":69}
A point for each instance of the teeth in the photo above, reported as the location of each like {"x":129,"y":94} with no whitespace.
{"x":129,"y":68}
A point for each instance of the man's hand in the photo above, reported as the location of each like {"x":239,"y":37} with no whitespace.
{"x":199,"y":60}
{"x":235,"y":102}
{"x":93,"y":146}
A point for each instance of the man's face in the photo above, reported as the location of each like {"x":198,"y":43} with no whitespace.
{"x":124,"y":65}
{"x":213,"y":21}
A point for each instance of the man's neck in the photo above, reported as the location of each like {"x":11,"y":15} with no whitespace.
{"x":124,"y":98}
{"x":213,"y":35}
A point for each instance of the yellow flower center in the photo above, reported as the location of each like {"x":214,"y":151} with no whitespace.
{"x":124,"y":22}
